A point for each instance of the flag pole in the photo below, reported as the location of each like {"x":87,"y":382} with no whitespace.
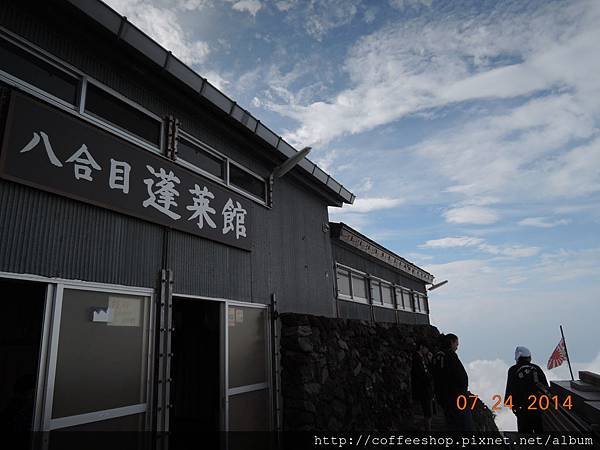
{"x":566,"y":352}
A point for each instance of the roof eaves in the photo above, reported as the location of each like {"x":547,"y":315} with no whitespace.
{"x":133,"y":36}
{"x":413,"y":269}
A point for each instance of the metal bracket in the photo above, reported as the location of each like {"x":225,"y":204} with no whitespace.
{"x":172,"y":137}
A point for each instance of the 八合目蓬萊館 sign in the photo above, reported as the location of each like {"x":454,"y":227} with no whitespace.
{"x":52,"y":150}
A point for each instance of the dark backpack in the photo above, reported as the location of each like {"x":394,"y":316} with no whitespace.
{"x":526,"y":383}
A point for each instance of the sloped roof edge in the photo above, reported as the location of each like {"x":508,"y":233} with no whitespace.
{"x":164,"y":60}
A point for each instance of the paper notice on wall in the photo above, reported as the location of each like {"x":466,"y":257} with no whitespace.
{"x":126,"y":311}
{"x":239,"y":315}
{"x":231,"y":317}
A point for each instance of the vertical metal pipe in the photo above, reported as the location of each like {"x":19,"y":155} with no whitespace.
{"x":566,"y":352}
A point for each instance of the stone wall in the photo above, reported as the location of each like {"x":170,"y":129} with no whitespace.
{"x":347,"y":375}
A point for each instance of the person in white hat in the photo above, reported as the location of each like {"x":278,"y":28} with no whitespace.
{"x":524,"y":385}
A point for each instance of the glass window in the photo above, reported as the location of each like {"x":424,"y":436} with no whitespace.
{"x":386,"y":294}
{"x":407,"y":300}
{"x":247,"y":346}
{"x":343,"y":282}
{"x":249,"y":410}
{"x":398,"y":293}
{"x":247,"y":182}
{"x":121,"y":114}
{"x":425,"y":305}
{"x":102,"y":352}
{"x":417,"y":302}
{"x":359,"y":286}
{"x":202,"y":159}
{"x":375,"y":292}
{"x":38,"y":73}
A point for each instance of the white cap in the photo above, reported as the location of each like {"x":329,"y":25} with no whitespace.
{"x":522,"y":352}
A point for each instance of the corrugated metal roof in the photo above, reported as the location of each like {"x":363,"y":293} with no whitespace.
{"x":164,"y":60}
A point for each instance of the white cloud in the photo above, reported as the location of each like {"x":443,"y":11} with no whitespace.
{"x":370,"y":15}
{"x":511,"y":251}
{"x":489,"y":307}
{"x":217,"y":80}
{"x":488,"y":378}
{"x":285,"y":5}
{"x":326,"y":160}
{"x":543,"y":222}
{"x":325,"y":15}
{"x":365,"y":205}
{"x":424,"y":64}
{"x":577,"y":172}
{"x":471,"y":214}
{"x":365,"y":186}
{"x":191,"y":5}
{"x":463,"y":241}
{"x":567,"y":265}
{"x":318,"y":17}
{"x":403,"y":4}
{"x":163,"y":25}
{"x":250,"y":6}
{"x":419,"y":257}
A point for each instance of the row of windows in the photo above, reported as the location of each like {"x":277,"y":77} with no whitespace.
{"x":357,"y":286}
{"x":206,"y":160}
{"x":98,"y":103}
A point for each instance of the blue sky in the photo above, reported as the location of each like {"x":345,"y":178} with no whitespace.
{"x":468,"y":130}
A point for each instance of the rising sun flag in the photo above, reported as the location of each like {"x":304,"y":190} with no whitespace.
{"x":558,"y":355}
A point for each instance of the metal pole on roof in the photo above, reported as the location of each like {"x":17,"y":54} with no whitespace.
{"x":435,"y":286}
{"x":566,"y":352}
{"x":290,"y":163}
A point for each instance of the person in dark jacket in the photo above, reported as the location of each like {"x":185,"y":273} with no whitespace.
{"x":525,"y":379}
{"x":456,"y":384}
{"x":438,"y":370}
{"x":422,"y":382}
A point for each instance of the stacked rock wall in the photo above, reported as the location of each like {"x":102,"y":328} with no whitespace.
{"x":345,"y":375}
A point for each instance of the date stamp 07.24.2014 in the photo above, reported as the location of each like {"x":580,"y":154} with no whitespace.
{"x":535,"y":402}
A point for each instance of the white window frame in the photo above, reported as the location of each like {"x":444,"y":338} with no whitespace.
{"x":356,"y":273}
{"x":381,"y":283}
{"x":44,"y":397}
{"x":227,"y":162}
{"x":226,"y":391}
{"x":46,"y":58}
{"x":114,"y":127}
{"x":392,"y":292}
{"x":418,"y":298}
{"x":207,"y":149}
{"x":241,"y":191}
{"x":404,"y":291}
{"x":78,"y":109}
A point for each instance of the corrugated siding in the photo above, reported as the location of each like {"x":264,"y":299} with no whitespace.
{"x":53,"y":236}
{"x":352,"y":310}
{"x":412,"y":318}
{"x":49,"y":235}
{"x":207,"y":268}
{"x":47,"y":27}
{"x":344,"y":255}
{"x":261,"y":257}
{"x":384,"y":314}
{"x":300,"y":252}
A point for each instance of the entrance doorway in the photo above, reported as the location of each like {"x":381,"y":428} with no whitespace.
{"x":196,"y":389}
{"x":20,"y":342}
